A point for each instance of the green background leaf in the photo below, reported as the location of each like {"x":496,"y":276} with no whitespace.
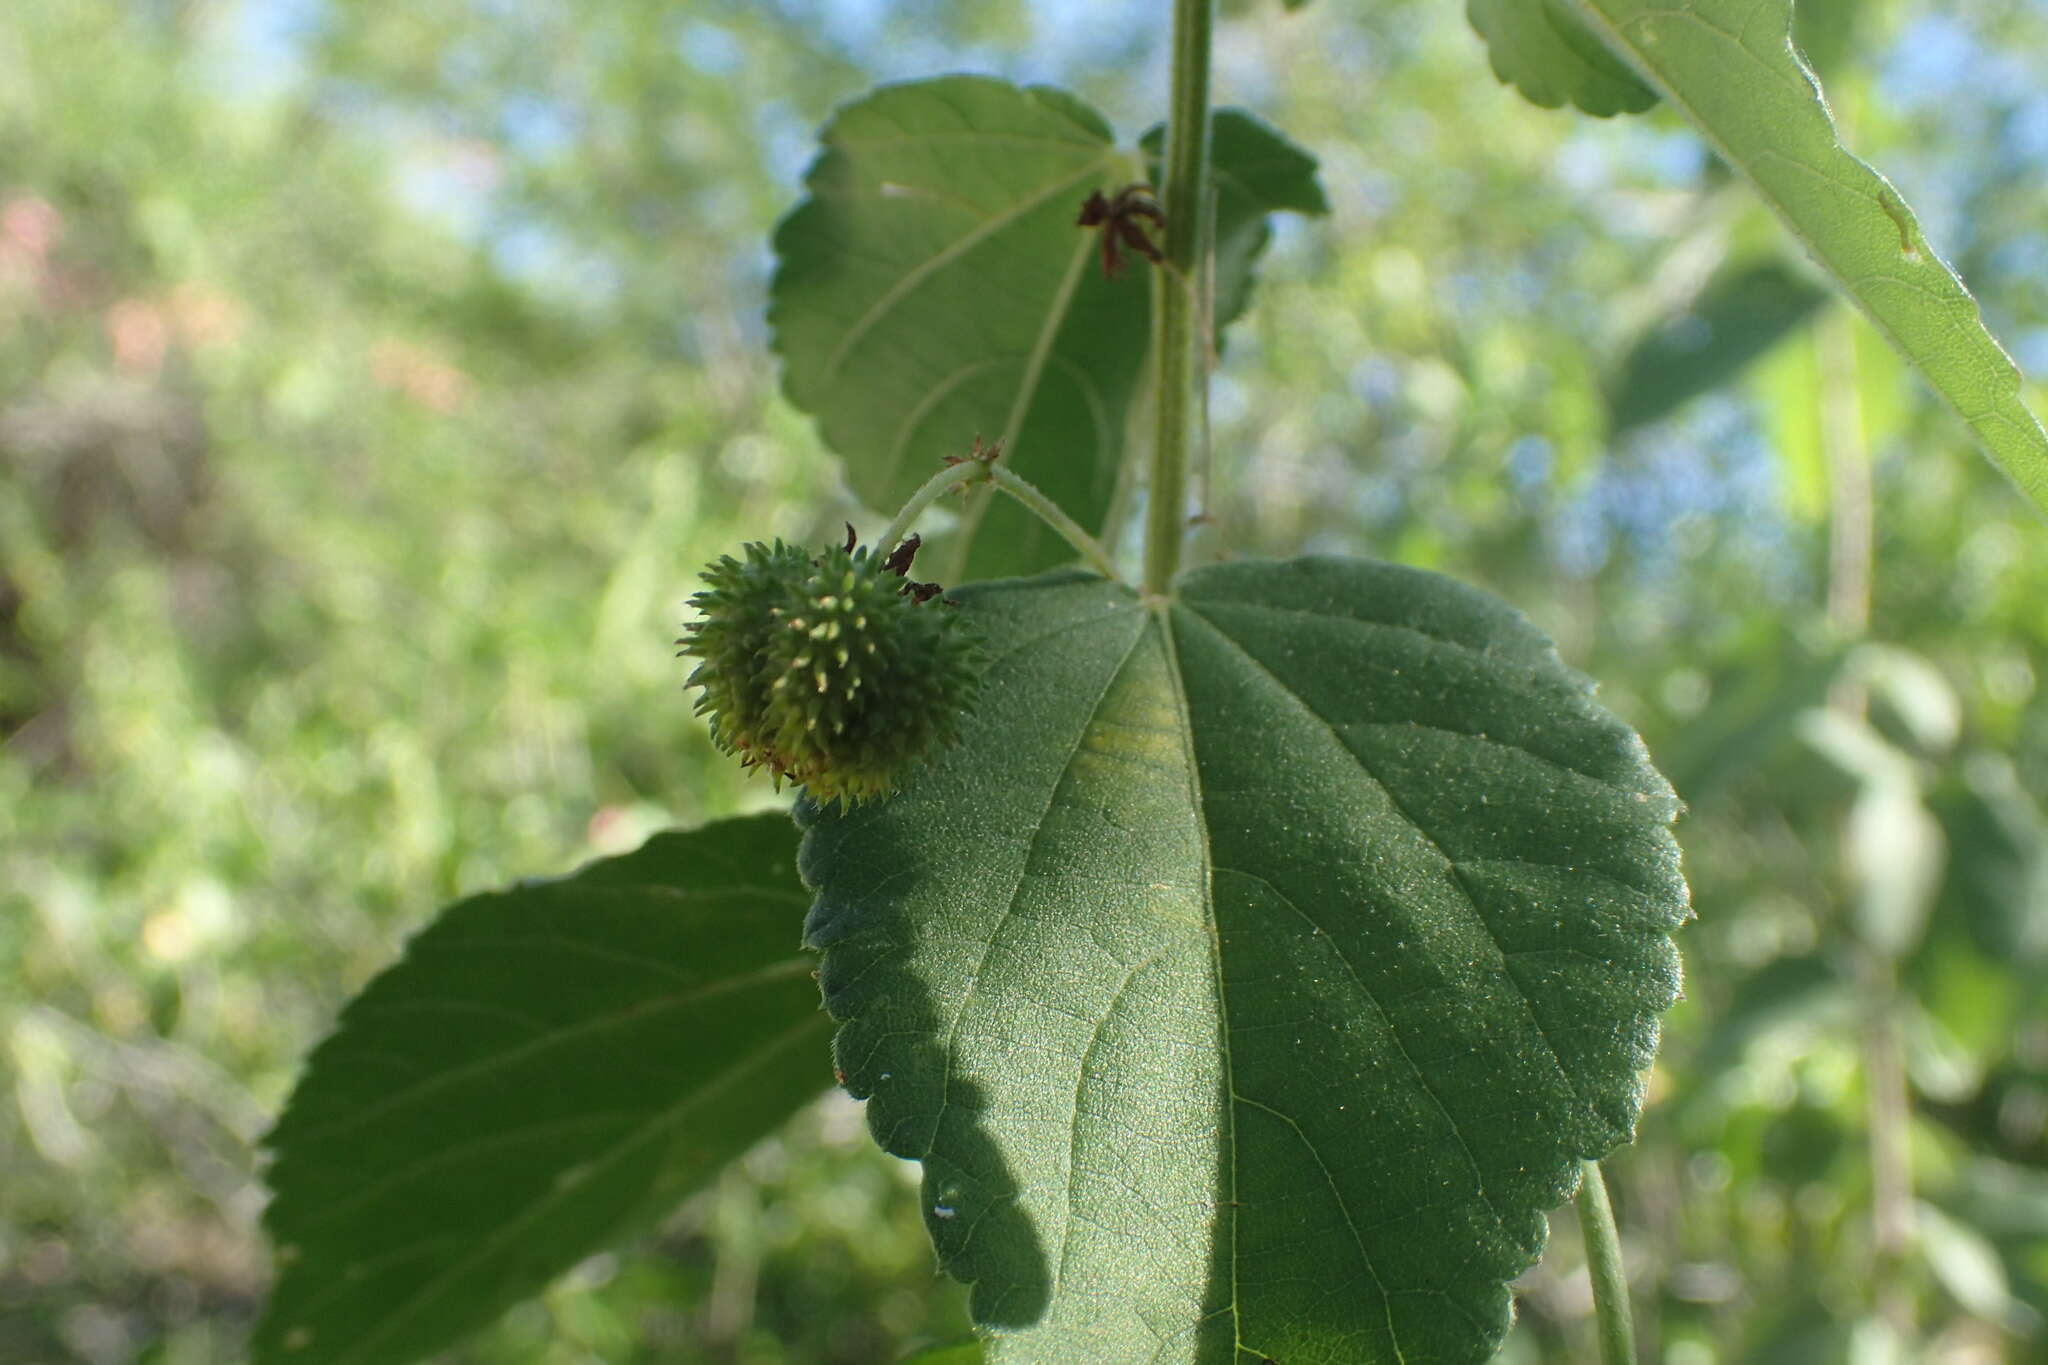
{"x":1731,"y":68}
{"x":547,"y":1066}
{"x":1740,"y":314}
{"x":934,"y":287}
{"x":1257,"y":970}
{"x":1541,"y":49}
{"x":1257,"y":173}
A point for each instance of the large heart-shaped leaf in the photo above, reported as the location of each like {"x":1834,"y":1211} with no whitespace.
{"x":934,"y":287}
{"x":1259,"y":967}
{"x":1733,"y":68}
{"x":546,"y":1067}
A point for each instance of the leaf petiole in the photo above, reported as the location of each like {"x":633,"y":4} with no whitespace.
{"x":982,"y":467}
{"x":1604,"y":1264}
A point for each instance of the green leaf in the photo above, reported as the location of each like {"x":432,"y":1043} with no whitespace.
{"x":546,"y":1067}
{"x":934,"y":287}
{"x":1259,"y":967}
{"x":1541,"y":49}
{"x":1739,"y":315}
{"x":1730,"y":66}
{"x":1257,"y":173}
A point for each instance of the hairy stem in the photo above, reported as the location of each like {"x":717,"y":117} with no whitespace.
{"x":980,"y":469}
{"x":1603,"y":1263}
{"x":1183,"y":197}
{"x":1049,"y":512}
{"x":952,"y":476}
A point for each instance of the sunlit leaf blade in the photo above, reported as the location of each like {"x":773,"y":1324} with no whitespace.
{"x":934,"y":287}
{"x":1738,"y":316}
{"x":1540,"y":48}
{"x":546,"y":1067}
{"x":1257,"y":173}
{"x":1731,"y":68}
{"x":1257,"y":970}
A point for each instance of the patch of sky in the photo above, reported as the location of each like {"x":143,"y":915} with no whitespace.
{"x":880,"y":37}
{"x":433,"y":186}
{"x":786,"y":142}
{"x":1376,"y":381}
{"x":1975,"y":94}
{"x":2030,"y":350}
{"x":1229,"y":404}
{"x":1663,"y":489}
{"x":536,"y":125}
{"x":710,"y":48}
{"x":256,"y":50}
{"x":1110,"y":55}
{"x":1379,"y":503}
{"x":551,"y":265}
{"x":1530,"y":461}
{"x":1931,"y":57}
{"x":2025,"y":135}
{"x":1584,"y":162}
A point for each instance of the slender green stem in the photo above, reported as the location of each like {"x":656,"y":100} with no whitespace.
{"x":1049,"y":512}
{"x":1182,"y":198}
{"x":1603,"y":1262}
{"x":986,"y":470}
{"x":952,"y":476}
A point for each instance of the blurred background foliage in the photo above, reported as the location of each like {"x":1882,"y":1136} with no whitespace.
{"x":373,"y":378}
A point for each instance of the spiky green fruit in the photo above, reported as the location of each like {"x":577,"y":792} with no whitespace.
{"x":832,"y":670}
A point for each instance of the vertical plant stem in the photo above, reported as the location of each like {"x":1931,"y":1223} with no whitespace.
{"x":1848,"y":465}
{"x":1603,"y":1263}
{"x":1182,"y":198}
{"x":1851,"y":567}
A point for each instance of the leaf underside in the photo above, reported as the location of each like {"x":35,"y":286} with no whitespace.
{"x":934,"y":286}
{"x":1733,"y":68}
{"x":546,"y":1067}
{"x":1258,"y":969}
{"x":1540,"y":48}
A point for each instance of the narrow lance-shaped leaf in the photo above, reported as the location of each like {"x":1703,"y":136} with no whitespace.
{"x":1731,"y":67}
{"x":547,"y":1067}
{"x":1260,"y":966}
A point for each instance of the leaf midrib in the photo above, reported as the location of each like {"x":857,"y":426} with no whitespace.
{"x":636,"y":1013}
{"x":955,"y":249}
